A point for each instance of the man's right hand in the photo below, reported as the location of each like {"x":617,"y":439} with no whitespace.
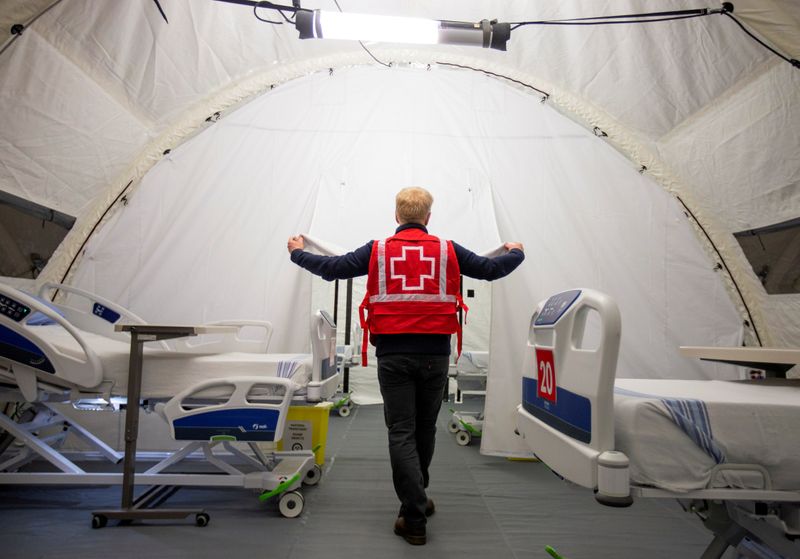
{"x":509,"y":246}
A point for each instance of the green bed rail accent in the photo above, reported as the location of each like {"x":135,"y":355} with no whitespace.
{"x":216,"y":438}
{"x":553,"y":553}
{"x":280,"y":489}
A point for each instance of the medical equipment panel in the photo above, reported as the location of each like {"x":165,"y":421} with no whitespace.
{"x":13,"y":309}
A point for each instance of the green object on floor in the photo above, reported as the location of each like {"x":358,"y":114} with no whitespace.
{"x":553,"y":553}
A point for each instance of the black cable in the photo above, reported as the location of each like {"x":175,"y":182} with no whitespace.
{"x":373,"y":56}
{"x":256,"y":6}
{"x":634,"y":17}
{"x":576,"y":23}
{"x":161,"y":10}
{"x":724,"y":265}
{"x":792,"y":61}
{"x":89,"y":236}
{"x":263,"y":4}
{"x":529,"y":86}
{"x":654,"y":17}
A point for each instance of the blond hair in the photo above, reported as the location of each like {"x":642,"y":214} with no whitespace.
{"x":413,"y":205}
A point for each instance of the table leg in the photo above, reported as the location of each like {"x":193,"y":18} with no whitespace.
{"x":132,"y":420}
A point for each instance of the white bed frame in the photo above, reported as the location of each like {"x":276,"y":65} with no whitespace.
{"x":568,"y":422}
{"x":24,"y":384}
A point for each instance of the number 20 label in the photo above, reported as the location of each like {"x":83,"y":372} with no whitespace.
{"x":546,"y":387}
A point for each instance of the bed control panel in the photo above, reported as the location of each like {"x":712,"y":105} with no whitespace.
{"x":13,"y":309}
{"x":105,"y":313}
{"x":555,"y":307}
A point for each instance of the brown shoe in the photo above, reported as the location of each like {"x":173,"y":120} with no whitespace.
{"x":430,"y":508}
{"x":414,"y":536}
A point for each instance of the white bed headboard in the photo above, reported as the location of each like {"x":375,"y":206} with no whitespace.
{"x":30,"y":356}
{"x":568,"y":388}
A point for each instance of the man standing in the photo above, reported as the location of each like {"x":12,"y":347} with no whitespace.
{"x":410,"y":311}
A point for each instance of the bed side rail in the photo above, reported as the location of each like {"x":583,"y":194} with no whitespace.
{"x":567,"y":415}
{"x":252,"y":409}
{"x":89,"y":311}
{"x":324,"y":376}
{"x":93,"y":313}
{"x":251,"y":336}
{"x":30,"y":356}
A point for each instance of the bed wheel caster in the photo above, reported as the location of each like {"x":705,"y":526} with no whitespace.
{"x":202,"y":519}
{"x":291,"y":504}
{"x":313,"y":475}
{"x":344,"y":411}
{"x":99,"y":521}
{"x":613,"y":501}
{"x":463,"y":438}
{"x":453,"y":426}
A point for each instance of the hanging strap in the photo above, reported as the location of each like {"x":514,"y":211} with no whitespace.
{"x":363,"y":310}
{"x":459,"y":330}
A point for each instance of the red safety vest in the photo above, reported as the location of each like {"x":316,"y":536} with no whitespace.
{"x":412,"y":288}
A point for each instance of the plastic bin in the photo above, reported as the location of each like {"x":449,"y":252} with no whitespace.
{"x":307,"y":429}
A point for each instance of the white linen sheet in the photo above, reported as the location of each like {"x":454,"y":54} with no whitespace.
{"x":738,"y":422}
{"x":165,"y":373}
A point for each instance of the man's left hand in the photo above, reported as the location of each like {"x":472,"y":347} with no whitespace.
{"x":295,"y":243}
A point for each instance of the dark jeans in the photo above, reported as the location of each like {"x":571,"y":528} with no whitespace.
{"x":412,"y":387}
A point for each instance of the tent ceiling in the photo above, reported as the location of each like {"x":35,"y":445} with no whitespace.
{"x":137,"y":76}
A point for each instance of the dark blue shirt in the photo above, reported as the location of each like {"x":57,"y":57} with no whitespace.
{"x":356,"y":263}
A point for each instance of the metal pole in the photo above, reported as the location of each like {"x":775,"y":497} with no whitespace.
{"x":336,"y":302}
{"x":347,"y":327}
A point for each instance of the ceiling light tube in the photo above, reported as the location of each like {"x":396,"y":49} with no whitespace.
{"x":318,"y":24}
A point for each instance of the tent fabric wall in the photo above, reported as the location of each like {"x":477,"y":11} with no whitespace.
{"x":203,"y":237}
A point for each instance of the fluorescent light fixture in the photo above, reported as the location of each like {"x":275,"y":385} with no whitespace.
{"x":318,"y":24}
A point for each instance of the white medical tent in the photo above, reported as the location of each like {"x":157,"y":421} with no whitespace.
{"x":189,"y":146}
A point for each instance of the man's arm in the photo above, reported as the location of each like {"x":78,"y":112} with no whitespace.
{"x":350,"y":265}
{"x":479,"y":267}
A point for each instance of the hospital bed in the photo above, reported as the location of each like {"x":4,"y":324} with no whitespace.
{"x":218,"y":392}
{"x":729,"y":451}
{"x":470,"y":375}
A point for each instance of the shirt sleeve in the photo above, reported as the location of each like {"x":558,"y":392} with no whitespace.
{"x":483,"y":268}
{"x":329,"y":268}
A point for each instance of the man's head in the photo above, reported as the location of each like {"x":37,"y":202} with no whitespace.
{"x":413,"y":205}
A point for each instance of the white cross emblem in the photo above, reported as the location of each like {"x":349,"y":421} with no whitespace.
{"x":405,"y":277}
